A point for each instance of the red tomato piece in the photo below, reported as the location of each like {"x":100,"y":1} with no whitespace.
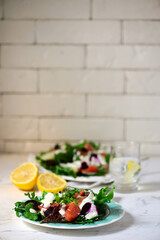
{"x":82,"y":192}
{"x":103,"y":154}
{"x":54,"y":204}
{"x":40,"y":207}
{"x":88,"y":147}
{"x":76,"y":195}
{"x":90,"y":169}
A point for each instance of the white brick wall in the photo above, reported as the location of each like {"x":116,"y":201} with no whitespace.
{"x":142,"y":82}
{"x":16,"y":32}
{"x":18,"y":80}
{"x":142,"y":130}
{"x":123,"y":57}
{"x":42,"y":56}
{"x":74,"y":129}
{"x":126,"y":9}
{"x":81,"y":81}
{"x":142,"y":32}
{"x":16,"y":128}
{"x":0,"y":9}
{"x":0,"y":105}
{"x":73,"y":69}
{"x":48,"y":9}
{"x":78,"y":32}
{"x":124,"y":106}
{"x":44,"y":105}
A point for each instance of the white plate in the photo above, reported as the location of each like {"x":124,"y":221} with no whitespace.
{"x":106,"y":178}
{"x":88,"y":179}
{"x":116,"y":213}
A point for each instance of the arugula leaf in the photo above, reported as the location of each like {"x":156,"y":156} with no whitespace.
{"x":80,"y":145}
{"x":110,"y":194}
{"x":42,"y":153}
{"x":32,"y":196}
{"x":101,"y":198}
{"x":95,"y":146}
{"x":44,"y":194}
{"x":81,"y":219}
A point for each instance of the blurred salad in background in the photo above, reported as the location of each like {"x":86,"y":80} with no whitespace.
{"x":83,"y":159}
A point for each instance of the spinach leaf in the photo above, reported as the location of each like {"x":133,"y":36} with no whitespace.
{"x":19,"y":208}
{"x":28,"y":214}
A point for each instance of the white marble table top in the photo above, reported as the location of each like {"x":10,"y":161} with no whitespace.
{"x":141,"y":219}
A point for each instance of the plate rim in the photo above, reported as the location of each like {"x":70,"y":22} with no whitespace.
{"x":76,"y":226}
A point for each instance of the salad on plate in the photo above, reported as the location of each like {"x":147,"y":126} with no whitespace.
{"x":83,"y":159}
{"x":71,"y":206}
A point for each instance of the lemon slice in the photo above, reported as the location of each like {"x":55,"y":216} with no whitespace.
{"x":25,"y":176}
{"x":129,"y":165}
{"x":50,"y":182}
{"x":131,"y":170}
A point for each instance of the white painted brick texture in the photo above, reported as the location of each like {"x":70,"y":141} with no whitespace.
{"x":1,"y":145}
{"x":28,"y":146}
{"x":148,"y":149}
{"x":0,"y":9}
{"x":142,"y":82}
{"x":74,"y":69}
{"x":78,"y":32}
{"x":16,"y":32}
{"x":144,"y":131}
{"x":81,"y":81}
{"x":44,"y":105}
{"x":16,"y":128}
{"x":123,"y":57}
{"x":18,"y":80}
{"x":124,"y":106}
{"x":142,"y":32}
{"x":76,"y":129}
{"x":42,"y":56}
{"x":48,"y":9}
{"x":0,"y":105}
{"x":126,"y":9}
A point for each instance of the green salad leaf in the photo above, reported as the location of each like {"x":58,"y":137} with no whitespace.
{"x":30,"y":215}
{"x":32,"y":196}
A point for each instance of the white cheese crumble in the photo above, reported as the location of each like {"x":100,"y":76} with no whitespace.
{"x":62,"y":210}
{"x":32,"y":210}
{"x":92,"y":212}
{"x":75,"y":166}
{"x":49,"y":197}
{"x":42,"y":211}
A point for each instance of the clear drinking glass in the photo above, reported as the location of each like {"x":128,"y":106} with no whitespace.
{"x":125,"y":165}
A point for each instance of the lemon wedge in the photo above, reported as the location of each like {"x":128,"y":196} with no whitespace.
{"x":50,"y":182}
{"x":129,"y":165}
{"x":25,"y":176}
{"x":131,"y":170}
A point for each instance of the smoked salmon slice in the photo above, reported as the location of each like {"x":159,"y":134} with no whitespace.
{"x":72,"y":211}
